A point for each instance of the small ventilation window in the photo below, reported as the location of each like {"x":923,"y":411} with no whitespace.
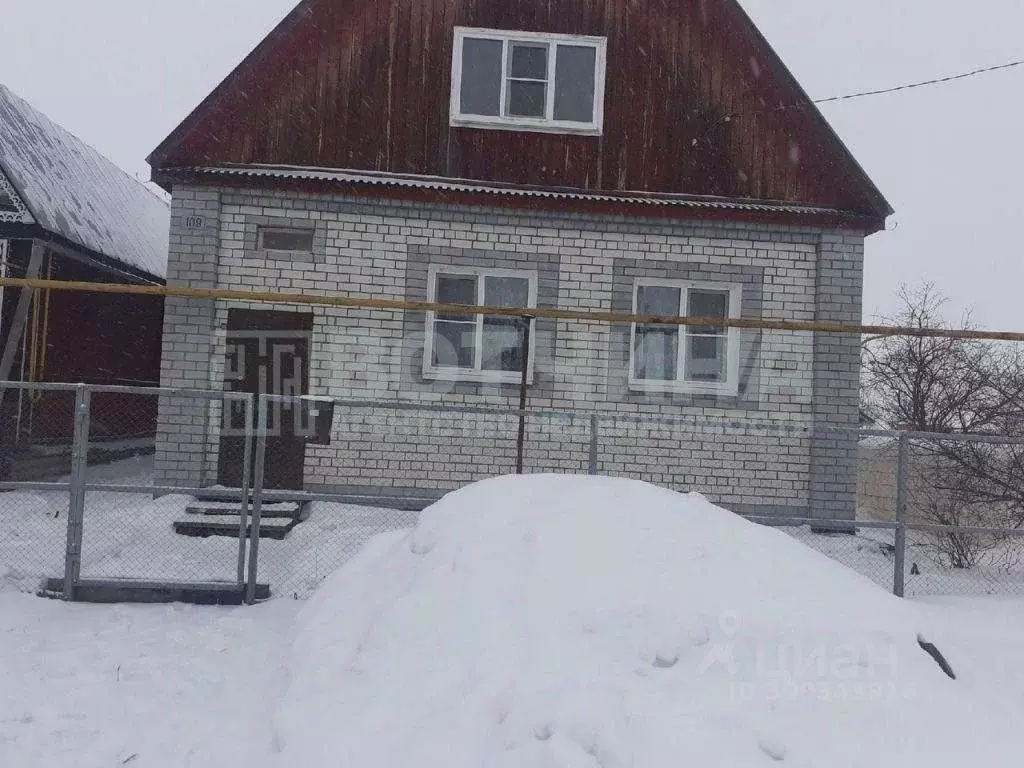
{"x":286,"y":240}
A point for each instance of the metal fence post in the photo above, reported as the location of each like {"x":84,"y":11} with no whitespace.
{"x":594,"y":425}
{"x":76,"y":492}
{"x":243,"y":524}
{"x":257,"y":496}
{"x":902,"y":475}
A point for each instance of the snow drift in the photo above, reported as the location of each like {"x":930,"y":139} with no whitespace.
{"x":558,"y":622}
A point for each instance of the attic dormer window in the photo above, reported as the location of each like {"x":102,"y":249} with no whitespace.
{"x":528,"y":81}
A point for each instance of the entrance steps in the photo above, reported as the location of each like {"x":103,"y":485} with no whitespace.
{"x":222,"y":518}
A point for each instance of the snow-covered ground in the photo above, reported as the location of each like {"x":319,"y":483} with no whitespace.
{"x":130,"y":535}
{"x":871,"y":552}
{"x":525,"y":622}
{"x":89,"y":686}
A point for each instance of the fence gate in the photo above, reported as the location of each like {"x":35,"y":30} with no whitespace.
{"x":135,"y":527}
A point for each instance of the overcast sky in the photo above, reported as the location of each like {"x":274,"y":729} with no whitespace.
{"x":122,"y":73}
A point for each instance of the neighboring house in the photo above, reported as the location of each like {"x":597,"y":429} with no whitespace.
{"x":633,"y":157}
{"x":68,"y":213}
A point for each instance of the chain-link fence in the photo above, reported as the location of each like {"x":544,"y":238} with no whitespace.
{"x":122,"y":485}
{"x":170,"y":527}
{"x":82,"y":504}
{"x":365,"y":461}
{"x":36,"y":427}
{"x":964,"y":511}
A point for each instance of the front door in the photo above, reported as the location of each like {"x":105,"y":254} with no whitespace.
{"x":267,"y":353}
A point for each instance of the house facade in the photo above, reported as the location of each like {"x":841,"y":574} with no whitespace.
{"x":642,"y":159}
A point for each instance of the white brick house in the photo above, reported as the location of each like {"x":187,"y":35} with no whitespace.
{"x":431,"y":191}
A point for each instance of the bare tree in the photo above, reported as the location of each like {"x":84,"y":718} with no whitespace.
{"x":946,"y":386}
{"x":932,"y":384}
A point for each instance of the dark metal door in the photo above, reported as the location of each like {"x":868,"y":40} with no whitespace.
{"x":267,"y":353}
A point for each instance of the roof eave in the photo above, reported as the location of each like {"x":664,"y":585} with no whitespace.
{"x":464,"y":192}
{"x":79,"y":252}
{"x":159,"y":155}
{"x":882,"y":207}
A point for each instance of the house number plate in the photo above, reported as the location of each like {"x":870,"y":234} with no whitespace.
{"x":194,"y":222}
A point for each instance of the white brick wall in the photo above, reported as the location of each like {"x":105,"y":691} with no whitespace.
{"x":365,"y":248}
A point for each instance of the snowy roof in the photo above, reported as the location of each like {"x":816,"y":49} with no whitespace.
{"x":73,"y":191}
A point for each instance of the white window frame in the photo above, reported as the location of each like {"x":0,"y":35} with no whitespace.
{"x":476,"y":373}
{"x":262,"y":231}
{"x":546,"y":124}
{"x":730,"y":386}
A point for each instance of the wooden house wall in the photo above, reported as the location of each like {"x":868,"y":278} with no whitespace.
{"x":690,"y":103}
{"x":92,"y":338}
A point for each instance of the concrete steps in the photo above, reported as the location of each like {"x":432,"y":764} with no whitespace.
{"x":276,"y":509}
{"x":221,"y":518}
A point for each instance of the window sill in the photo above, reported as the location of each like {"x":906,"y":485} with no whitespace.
{"x":508,"y":124}
{"x":728,"y":389}
{"x":271,"y":254}
{"x":477,"y":377}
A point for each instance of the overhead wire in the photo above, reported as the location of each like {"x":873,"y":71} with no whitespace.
{"x":876,"y":92}
{"x":922,"y":83}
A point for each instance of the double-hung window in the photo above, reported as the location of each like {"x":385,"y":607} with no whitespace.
{"x":693,"y":358}
{"x":477,"y":347}
{"x":526,"y":80}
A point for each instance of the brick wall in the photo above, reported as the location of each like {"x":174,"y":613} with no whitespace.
{"x":184,"y":423}
{"x":754,"y":451}
{"x":839,"y":287}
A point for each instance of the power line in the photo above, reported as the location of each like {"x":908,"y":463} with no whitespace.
{"x":922,"y":83}
{"x":859,"y":95}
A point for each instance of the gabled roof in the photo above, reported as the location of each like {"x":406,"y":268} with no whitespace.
{"x":71,"y":191}
{"x":362,"y":85}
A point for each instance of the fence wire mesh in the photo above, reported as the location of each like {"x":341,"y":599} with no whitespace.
{"x":161,"y":526}
{"x":36,"y":424}
{"x":964,"y":512}
{"x":333,"y":534}
{"x":871,"y":551}
{"x":367,"y":466}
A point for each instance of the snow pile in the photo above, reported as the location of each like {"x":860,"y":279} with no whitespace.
{"x":569,"y":621}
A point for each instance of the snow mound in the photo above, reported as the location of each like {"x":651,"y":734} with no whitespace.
{"x":558,"y":622}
